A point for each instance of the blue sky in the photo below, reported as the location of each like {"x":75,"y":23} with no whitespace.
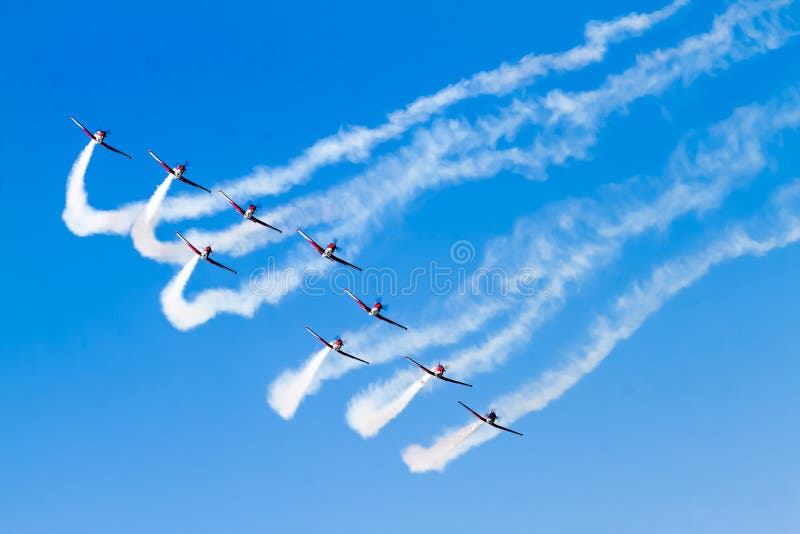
{"x":122,"y":414}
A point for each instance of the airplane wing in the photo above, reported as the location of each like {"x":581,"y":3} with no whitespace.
{"x":218,"y":264}
{"x":112,"y":149}
{"x":189,"y":244}
{"x":169,"y":169}
{"x":187,"y":181}
{"x":355,"y":298}
{"x":506,"y":429}
{"x":82,"y":127}
{"x":234,"y":204}
{"x":313,"y":243}
{"x":420,"y":365}
{"x":454,"y":381}
{"x":343,"y":353}
{"x":340,"y":260}
{"x":320,"y":338}
{"x":262,"y":223}
{"x":382,"y":318}
{"x":476,"y":414}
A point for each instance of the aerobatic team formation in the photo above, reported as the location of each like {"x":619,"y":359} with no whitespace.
{"x":328,"y":252}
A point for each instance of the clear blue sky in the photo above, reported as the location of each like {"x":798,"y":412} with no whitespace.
{"x":112,"y":420}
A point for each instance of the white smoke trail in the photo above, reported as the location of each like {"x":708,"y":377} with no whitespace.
{"x":143,"y":230}
{"x":628,"y":313}
{"x":451,"y":444}
{"x":172,"y":294}
{"x":453,"y":151}
{"x":79,"y":216}
{"x":368,"y":413}
{"x":355,"y":144}
{"x":381,"y":346}
{"x":285,"y":394}
{"x":576,"y":238}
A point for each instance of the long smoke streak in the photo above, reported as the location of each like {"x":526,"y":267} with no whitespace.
{"x":729,"y":157}
{"x":454,"y":151}
{"x":778,"y":227}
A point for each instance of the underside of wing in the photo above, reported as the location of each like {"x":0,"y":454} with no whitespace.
{"x":187,"y":181}
{"x":112,"y":149}
{"x":455,"y":381}
{"x":386,"y":319}
{"x":343,"y":353}
{"x":340,"y":260}
{"x":218,"y":264}
{"x":506,"y":429}
{"x":262,"y":223}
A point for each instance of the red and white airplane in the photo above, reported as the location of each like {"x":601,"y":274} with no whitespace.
{"x":328,"y":251}
{"x":438,"y":372}
{"x":375,"y":311}
{"x":336,"y":346}
{"x":177,"y":172}
{"x":204,"y":255}
{"x":489,"y":419}
{"x":99,"y":137}
{"x":248,"y":213}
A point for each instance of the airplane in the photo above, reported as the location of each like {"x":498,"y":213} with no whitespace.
{"x":204,"y":255}
{"x":248,"y":213}
{"x":177,"y":172}
{"x":375,"y":311}
{"x":328,"y":251}
{"x":336,"y":346}
{"x":99,"y":137}
{"x":489,"y":419}
{"x":438,"y":372}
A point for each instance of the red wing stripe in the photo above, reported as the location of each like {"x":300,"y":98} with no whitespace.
{"x":319,"y":338}
{"x":355,"y":298}
{"x":476,"y":414}
{"x":189,"y":244}
{"x":313,"y":243}
{"x":420,"y":365}
{"x":169,"y":170}
{"x":234,"y":204}
{"x":82,"y":127}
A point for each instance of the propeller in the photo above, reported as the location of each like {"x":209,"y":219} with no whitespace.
{"x":384,"y":307}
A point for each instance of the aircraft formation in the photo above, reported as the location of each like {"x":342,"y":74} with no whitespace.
{"x":177,"y":173}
